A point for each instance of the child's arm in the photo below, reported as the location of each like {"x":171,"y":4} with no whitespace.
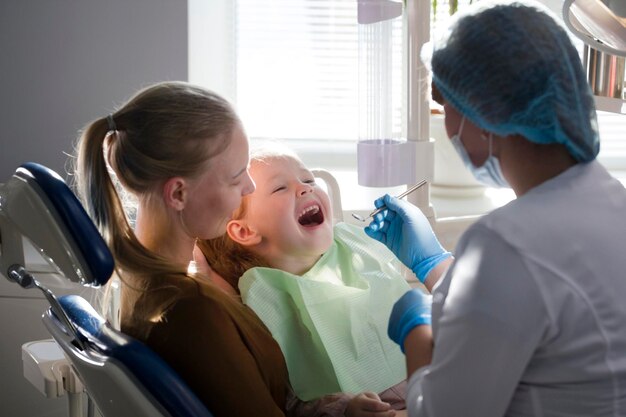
{"x":368,"y":404}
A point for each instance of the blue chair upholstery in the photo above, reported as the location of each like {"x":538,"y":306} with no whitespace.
{"x":74,"y":219}
{"x":122,"y":375}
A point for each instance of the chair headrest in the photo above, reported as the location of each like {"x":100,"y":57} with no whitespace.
{"x":82,"y":232}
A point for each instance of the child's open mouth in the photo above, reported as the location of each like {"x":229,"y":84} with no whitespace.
{"x":311,"y":216}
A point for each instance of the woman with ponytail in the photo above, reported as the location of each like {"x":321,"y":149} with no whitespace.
{"x":181,"y":154}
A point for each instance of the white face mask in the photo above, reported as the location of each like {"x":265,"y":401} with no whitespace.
{"x":489,"y":173}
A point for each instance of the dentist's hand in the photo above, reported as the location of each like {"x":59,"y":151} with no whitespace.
{"x":411,"y":310}
{"x":406,"y":231}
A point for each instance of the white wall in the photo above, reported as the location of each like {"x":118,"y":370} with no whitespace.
{"x":66,"y":62}
{"x":62,"y":64}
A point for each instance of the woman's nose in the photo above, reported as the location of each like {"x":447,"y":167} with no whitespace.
{"x":249,"y":187}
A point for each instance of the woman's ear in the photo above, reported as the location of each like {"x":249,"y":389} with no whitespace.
{"x":241,"y":233}
{"x":175,"y":193}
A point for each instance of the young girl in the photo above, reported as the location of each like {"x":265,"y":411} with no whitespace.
{"x":325,"y":293}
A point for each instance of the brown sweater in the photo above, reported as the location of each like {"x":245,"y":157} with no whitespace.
{"x":215,"y":343}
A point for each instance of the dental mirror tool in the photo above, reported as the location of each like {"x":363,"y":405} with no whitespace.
{"x":381,"y":208}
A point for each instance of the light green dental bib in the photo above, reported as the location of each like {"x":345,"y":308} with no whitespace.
{"x":331,"y":323}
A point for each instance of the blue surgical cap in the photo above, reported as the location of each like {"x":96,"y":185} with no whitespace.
{"x":512,"y":69}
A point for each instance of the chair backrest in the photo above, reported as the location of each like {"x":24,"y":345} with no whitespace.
{"x":121,"y":375}
{"x":332,"y":189}
{"x":37,"y":204}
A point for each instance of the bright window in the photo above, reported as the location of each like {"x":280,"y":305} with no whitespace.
{"x":291,"y":67}
{"x":297,"y":67}
{"x":613,"y":142}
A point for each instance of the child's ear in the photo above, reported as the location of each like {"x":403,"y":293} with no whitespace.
{"x":241,"y":233}
{"x":175,"y":193}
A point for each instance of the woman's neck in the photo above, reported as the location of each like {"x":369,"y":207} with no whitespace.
{"x":526,"y":164}
{"x":160,"y":233}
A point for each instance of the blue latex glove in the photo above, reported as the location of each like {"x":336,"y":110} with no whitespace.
{"x":411,"y":310}
{"x":406,"y":231}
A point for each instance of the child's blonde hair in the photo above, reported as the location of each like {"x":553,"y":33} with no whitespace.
{"x":226,"y":257}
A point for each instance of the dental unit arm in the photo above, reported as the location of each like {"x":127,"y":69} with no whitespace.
{"x":120,"y":375}
{"x":57,"y":227}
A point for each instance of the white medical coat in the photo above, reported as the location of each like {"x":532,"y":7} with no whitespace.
{"x":530,"y":320}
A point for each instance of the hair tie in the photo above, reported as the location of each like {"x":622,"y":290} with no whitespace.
{"x":111,"y":123}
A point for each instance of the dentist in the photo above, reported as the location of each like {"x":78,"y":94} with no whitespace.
{"x":530,"y":318}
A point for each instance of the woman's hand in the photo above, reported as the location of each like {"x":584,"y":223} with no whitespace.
{"x":404,"y":229}
{"x":368,"y":404}
{"x":204,"y":268}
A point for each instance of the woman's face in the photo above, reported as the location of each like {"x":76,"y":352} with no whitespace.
{"x":216,"y":194}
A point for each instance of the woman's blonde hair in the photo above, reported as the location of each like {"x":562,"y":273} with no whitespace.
{"x":166,"y":130}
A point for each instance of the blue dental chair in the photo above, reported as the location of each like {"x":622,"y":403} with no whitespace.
{"x":121,"y":376}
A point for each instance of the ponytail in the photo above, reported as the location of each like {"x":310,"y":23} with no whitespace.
{"x":160,"y":133}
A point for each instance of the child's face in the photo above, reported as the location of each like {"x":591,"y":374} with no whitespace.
{"x":290,"y":211}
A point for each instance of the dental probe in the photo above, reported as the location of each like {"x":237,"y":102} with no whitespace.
{"x":381,"y":208}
